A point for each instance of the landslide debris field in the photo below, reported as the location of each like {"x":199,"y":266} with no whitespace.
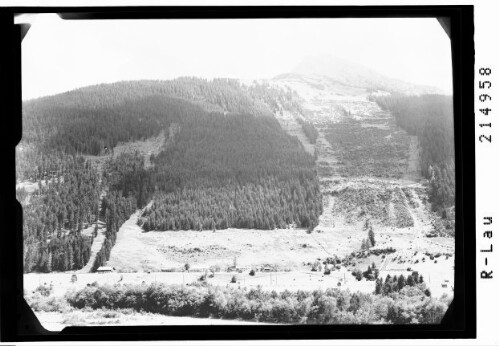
{"x":368,"y":169}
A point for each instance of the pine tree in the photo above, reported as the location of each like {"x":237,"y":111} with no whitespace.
{"x":371,"y":237}
{"x":401,"y":282}
{"x":410,"y":280}
{"x":378,"y":286}
{"x":354,"y":303}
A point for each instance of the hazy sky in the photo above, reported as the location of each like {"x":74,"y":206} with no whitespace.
{"x":62,"y":55}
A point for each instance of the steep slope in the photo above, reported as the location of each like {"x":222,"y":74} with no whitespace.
{"x":368,"y":168}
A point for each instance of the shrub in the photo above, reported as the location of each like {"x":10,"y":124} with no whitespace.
{"x":234,"y":279}
{"x":316,"y":266}
{"x":330,"y":306}
{"x":358,"y":274}
{"x":44,"y":290}
{"x":252,"y":272}
{"x":39,"y":302}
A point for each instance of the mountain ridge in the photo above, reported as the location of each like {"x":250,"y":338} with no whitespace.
{"x":346,"y":73}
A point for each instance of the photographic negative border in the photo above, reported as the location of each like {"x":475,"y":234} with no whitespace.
{"x":18,"y":323}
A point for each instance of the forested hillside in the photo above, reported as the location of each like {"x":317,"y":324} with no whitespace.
{"x":55,"y":217}
{"x":223,"y":171}
{"x":238,"y":171}
{"x":229,"y":165}
{"x":88,"y":119}
{"x":430,"y":117}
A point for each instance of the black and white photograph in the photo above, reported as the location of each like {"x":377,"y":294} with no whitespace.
{"x":276,"y":171}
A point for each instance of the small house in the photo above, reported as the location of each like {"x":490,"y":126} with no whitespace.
{"x":267,"y":268}
{"x":103,"y":270}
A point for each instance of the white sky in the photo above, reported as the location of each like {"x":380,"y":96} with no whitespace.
{"x":62,"y":55}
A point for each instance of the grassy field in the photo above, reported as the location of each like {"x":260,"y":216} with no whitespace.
{"x":278,"y":281}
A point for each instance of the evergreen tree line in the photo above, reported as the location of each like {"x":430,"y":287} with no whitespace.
{"x":56,"y":215}
{"x":117,"y":209}
{"x":397,"y":283}
{"x":270,"y":204}
{"x":430,"y":118}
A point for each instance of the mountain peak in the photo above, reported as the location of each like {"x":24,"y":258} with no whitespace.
{"x":352,"y":74}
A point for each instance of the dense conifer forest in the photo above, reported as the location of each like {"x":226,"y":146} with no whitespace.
{"x":430,"y":117}
{"x":238,"y":171}
{"x":55,"y":216}
{"x":223,"y":171}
